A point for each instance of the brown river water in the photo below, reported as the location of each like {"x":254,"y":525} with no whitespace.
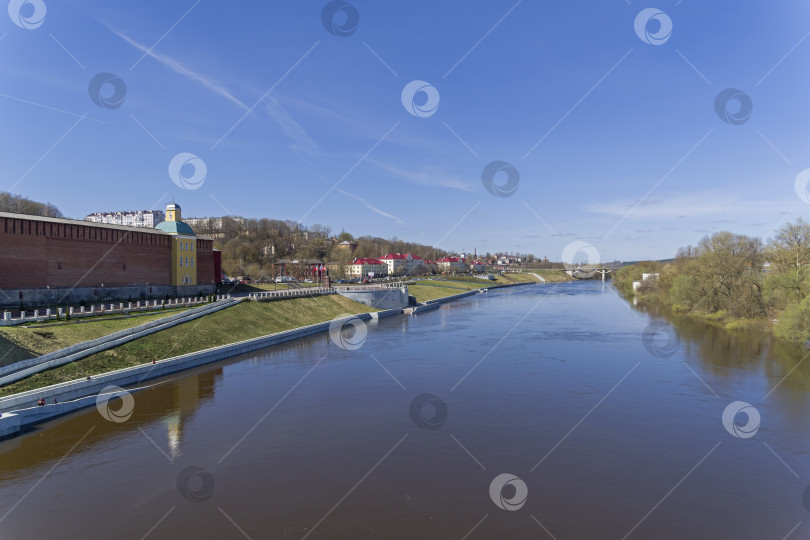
{"x":547,"y":411}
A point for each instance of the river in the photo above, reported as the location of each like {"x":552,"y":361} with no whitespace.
{"x":544,"y":411}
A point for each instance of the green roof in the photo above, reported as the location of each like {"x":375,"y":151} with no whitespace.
{"x":175,"y":227}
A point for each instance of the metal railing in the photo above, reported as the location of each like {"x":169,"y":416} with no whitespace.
{"x":290,"y":293}
{"x":370,"y":287}
{"x":8,"y":319}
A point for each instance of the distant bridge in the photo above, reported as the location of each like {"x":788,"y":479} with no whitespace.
{"x":589,"y":272}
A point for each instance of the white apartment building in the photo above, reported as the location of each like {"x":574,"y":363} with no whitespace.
{"x":138,"y":218}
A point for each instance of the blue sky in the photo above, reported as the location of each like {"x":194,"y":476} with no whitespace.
{"x":294,"y":122}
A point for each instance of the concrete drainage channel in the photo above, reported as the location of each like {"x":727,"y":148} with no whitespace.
{"x":26,"y":368}
{"x":20,"y":411}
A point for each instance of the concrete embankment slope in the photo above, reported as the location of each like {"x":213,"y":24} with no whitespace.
{"x":21,"y":410}
{"x":26,"y":368}
{"x":436,"y":303}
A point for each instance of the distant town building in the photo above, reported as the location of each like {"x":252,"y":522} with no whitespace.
{"x":451,"y":264}
{"x":349,"y":246}
{"x":213,"y":223}
{"x":366,"y":268}
{"x":136,"y":218}
{"x":399,"y":264}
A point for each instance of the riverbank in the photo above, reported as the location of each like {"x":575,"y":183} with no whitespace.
{"x":658,"y":292}
{"x":214,"y":337}
{"x":425,"y":290}
{"x":245,"y":321}
{"x":22,"y":342}
{"x":720,"y":319}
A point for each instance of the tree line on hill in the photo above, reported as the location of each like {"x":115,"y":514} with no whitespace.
{"x":17,"y":204}
{"x":737,"y":279}
{"x":250,"y":246}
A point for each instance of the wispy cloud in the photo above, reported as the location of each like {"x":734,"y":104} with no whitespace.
{"x":427,"y":176}
{"x":292,"y":129}
{"x":301,"y":141}
{"x":370,"y":207}
{"x":720,"y":206}
{"x":180,"y":69}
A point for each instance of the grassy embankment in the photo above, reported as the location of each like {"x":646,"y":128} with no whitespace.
{"x":244,"y":321}
{"x":551,"y":276}
{"x":21,"y":342}
{"x":262,"y":287}
{"x":425,"y":290}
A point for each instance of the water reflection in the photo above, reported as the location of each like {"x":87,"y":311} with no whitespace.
{"x":171,"y":404}
{"x":722,"y":355}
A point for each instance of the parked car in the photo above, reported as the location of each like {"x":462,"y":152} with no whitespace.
{"x":343,"y":281}
{"x":308,"y":281}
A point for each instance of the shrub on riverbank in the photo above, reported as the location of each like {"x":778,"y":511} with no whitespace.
{"x":794,"y":322}
{"x":736,"y":280}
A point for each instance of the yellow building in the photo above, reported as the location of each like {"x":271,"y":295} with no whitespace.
{"x":184,"y":242}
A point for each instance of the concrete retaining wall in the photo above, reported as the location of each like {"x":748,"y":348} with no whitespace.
{"x":12,"y":422}
{"x":26,"y":368}
{"x":42,"y":297}
{"x":20,"y":410}
{"x":453,"y":297}
{"x":385,"y":313}
{"x":425,"y":307}
{"x":388,"y":298}
{"x":81,"y":388}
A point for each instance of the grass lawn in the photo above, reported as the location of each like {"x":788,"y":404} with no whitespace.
{"x":261,"y":287}
{"x":518,"y":278}
{"x":425,"y":290}
{"x":243,"y":321}
{"x":17,"y":343}
{"x":551,"y":276}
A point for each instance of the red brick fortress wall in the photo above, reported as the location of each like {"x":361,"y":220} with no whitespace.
{"x":205,"y":262}
{"x":40,"y":252}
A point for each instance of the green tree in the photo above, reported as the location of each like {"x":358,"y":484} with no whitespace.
{"x":794,"y":323}
{"x":789,"y":250}
{"x":779,"y":290}
{"x":726,"y":272}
